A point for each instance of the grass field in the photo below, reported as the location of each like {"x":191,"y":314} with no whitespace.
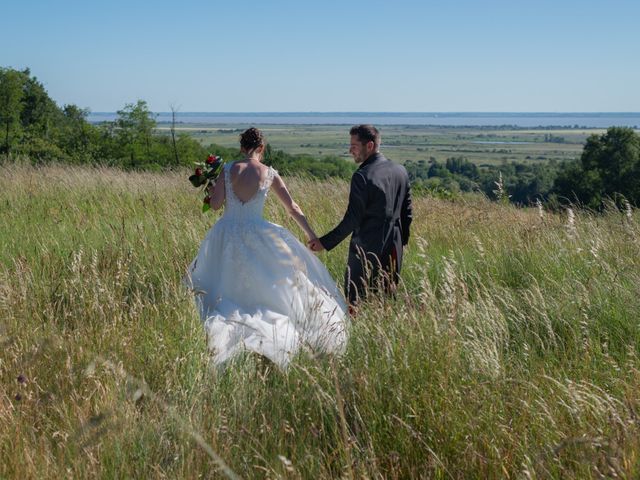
{"x":511,"y":350}
{"x":401,"y":143}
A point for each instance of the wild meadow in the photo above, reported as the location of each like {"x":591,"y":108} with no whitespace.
{"x":511,"y":349}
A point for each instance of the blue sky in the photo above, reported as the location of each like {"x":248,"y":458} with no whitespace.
{"x":270,"y":56}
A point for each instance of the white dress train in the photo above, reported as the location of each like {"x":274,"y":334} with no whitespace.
{"x":258,"y":288}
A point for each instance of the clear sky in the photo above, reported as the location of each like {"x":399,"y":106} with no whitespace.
{"x":330,"y":56}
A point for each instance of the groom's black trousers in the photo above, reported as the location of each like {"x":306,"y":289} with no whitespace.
{"x":368,"y":273}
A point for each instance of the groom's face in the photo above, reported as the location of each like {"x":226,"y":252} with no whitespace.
{"x":360,"y":151}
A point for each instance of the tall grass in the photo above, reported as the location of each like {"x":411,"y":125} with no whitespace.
{"x":510,"y":351}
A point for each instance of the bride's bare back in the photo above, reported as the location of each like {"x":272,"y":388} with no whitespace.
{"x":248,"y":176}
{"x":246,"y":179}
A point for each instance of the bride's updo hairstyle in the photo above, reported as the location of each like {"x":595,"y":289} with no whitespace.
{"x":251,"y":139}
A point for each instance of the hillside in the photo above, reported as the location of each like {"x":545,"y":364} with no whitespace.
{"x":511,"y":350}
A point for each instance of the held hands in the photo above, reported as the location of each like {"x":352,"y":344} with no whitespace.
{"x":315,"y":245}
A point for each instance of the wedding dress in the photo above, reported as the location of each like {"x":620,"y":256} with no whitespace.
{"x":259,"y":289}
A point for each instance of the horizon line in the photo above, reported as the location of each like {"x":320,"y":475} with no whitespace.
{"x":390,"y":112}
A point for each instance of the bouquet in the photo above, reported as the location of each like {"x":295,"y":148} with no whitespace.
{"x":205,"y":175}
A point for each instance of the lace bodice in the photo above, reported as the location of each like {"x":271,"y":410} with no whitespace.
{"x":252,"y":209}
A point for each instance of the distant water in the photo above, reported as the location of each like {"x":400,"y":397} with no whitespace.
{"x":525,"y":120}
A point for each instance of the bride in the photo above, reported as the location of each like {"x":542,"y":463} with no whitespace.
{"x":257,"y":287}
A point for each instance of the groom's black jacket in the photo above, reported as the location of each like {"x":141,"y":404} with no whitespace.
{"x":379,"y":212}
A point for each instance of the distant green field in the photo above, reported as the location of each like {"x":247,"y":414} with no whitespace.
{"x":403,"y":142}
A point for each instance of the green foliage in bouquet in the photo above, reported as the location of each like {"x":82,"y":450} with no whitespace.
{"x":206,"y":174}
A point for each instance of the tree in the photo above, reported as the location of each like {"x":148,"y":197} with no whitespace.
{"x":437,"y":169}
{"x":77,"y":137}
{"x":609,"y":166}
{"x":31,"y":121}
{"x":135,"y":128}
{"x":39,"y":114}
{"x":173,"y":134}
{"x":10,"y":106}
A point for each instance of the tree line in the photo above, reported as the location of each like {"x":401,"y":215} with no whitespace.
{"x":32,"y":125}
{"x":521,"y":183}
{"x":609,"y":168}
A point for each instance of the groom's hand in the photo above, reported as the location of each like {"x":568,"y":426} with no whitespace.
{"x":315,"y":245}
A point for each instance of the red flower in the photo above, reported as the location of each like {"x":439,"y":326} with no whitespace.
{"x":206,"y":200}
{"x":211,"y":159}
{"x":198,"y":171}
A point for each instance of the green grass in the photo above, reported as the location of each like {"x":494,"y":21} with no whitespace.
{"x":511,"y":350}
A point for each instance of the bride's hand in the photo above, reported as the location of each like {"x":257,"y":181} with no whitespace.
{"x":315,"y":245}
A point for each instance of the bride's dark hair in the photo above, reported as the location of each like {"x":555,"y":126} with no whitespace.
{"x":251,"y":139}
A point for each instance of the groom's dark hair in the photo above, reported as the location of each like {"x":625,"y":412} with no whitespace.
{"x":366,"y":133}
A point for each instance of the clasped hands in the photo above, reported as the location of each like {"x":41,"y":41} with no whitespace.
{"x":315,"y":245}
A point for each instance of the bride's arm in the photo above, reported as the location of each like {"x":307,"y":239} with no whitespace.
{"x":292,"y":207}
{"x":216,"y":193}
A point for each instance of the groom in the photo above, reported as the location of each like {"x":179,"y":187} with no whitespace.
{"x":378,"y":217}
